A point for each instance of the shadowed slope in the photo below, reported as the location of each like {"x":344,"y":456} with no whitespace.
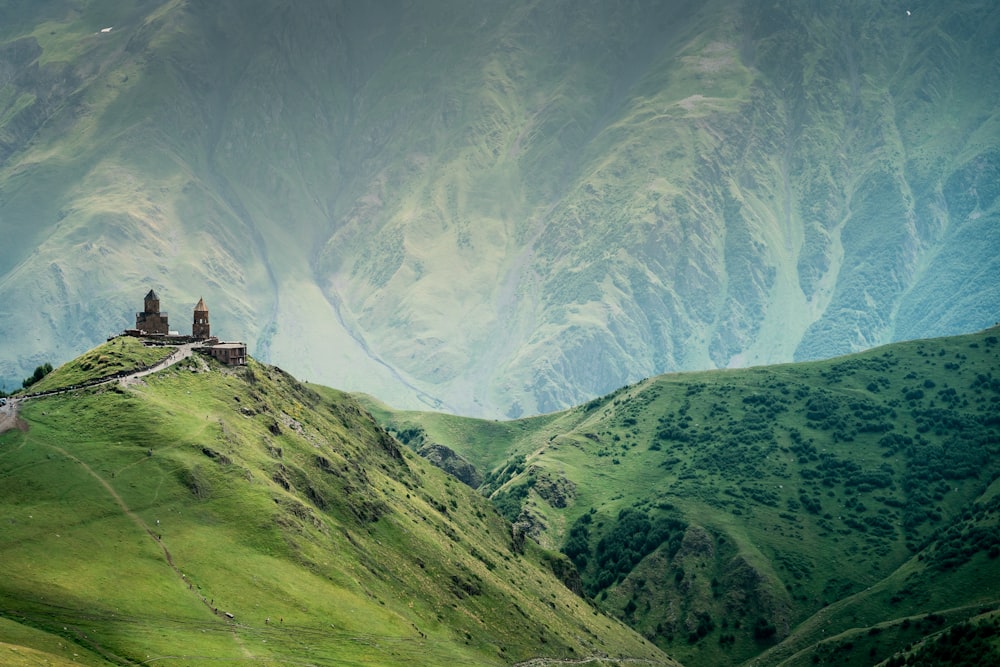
{"x":758,"y":514}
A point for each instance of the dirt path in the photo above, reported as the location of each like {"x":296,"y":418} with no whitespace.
{"x":8,"y":413}
{"x":544,"y":662}
{"x":133,"y":516}
{"x":9,"y":419}
{"x":182,"y":352}
{"x":159,"y":543}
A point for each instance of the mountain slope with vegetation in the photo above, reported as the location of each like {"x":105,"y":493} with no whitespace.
{"x":830,"y":511}
{"x":209,"y":514}
{"x":597,"y":192}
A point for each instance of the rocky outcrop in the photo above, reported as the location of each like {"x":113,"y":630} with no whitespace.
{"x":556,"y":490}
{"x":452,"y":463}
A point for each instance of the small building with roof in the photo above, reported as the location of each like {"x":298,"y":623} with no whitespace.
{"x":231,"y":354}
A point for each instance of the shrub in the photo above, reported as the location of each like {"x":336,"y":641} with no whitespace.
{"x":763,"y":630}
{"x":40,"y":372}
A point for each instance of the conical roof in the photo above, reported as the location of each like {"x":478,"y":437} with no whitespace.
{"x":152,"y":295}
{"x":201,"y":307}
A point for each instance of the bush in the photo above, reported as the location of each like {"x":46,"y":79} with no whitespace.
{"x":40,"y":372}
{"x":627,"y":541}
{"x":763,"y":630}
{"x":509,"y":503}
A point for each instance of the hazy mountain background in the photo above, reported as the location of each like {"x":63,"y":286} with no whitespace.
{"x":499,"y":208}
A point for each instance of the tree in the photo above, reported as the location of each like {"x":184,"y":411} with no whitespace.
{"x":40,"y":372}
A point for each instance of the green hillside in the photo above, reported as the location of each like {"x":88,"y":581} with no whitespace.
{"x":208,"y":515}
{"x":810,"y":513}
{"x":503,"y":208}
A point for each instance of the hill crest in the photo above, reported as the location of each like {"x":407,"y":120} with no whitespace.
{"x":206,"y":513}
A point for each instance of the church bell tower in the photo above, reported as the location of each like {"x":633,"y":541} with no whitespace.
{"x":200,"y":327}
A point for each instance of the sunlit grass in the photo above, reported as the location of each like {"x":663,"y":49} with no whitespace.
{"x":121,"y":354}
{"x":140,"y":519}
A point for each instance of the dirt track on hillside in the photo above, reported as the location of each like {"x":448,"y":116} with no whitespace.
{"x":9,"y":419}
{"x":182,"y":352}
{"x":8,"y":413}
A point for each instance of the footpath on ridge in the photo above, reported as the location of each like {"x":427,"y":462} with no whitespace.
{"x":182,"y":352}
{"x":8,"y":417}
{"x":8,"y":412}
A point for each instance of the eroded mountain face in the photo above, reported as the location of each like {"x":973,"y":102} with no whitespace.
{"x":500,"y":209}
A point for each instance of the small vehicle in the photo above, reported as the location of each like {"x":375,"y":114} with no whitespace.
{"x":3,"y":402}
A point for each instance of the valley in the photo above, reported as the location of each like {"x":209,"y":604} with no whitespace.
{"x":771,"y":515}
{"x":840,"y":510}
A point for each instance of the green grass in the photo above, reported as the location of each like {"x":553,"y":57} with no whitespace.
{"x":24,"y":646}
{"x":484,"y":443}
{"x":782,"y":502}
{"x":135,"y":520}
{"x":121,"y":354}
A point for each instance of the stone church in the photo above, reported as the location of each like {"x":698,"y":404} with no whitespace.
{"x":152,"y":322}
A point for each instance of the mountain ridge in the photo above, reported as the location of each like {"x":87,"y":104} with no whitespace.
{"x":655,"y":187}
{"x":206,"y":513}
{"x":795,"y":514}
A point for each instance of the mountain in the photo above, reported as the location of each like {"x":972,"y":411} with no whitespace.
{"x":499,"y":208}
{"x":206,"y":514}
{"x":844,"y":511}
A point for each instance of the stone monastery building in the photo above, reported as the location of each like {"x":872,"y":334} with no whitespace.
{"x":154,"y":324}
{"x":151,"y":320}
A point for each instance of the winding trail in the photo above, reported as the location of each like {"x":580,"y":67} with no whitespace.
{"x":10,"y":420}
{"x":127,"y":511}
{"x":544,"y":662}
{"x":8,"y":417}
{"x":182,"y":352}
{"x":8,"y":412}
{"x":124,"y":378}
{"x":131,"y":515}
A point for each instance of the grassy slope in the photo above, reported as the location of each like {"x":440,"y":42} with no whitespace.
{"x":136,"y":519}
{"x":813,"y":498}
{"x":114,"y":356}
